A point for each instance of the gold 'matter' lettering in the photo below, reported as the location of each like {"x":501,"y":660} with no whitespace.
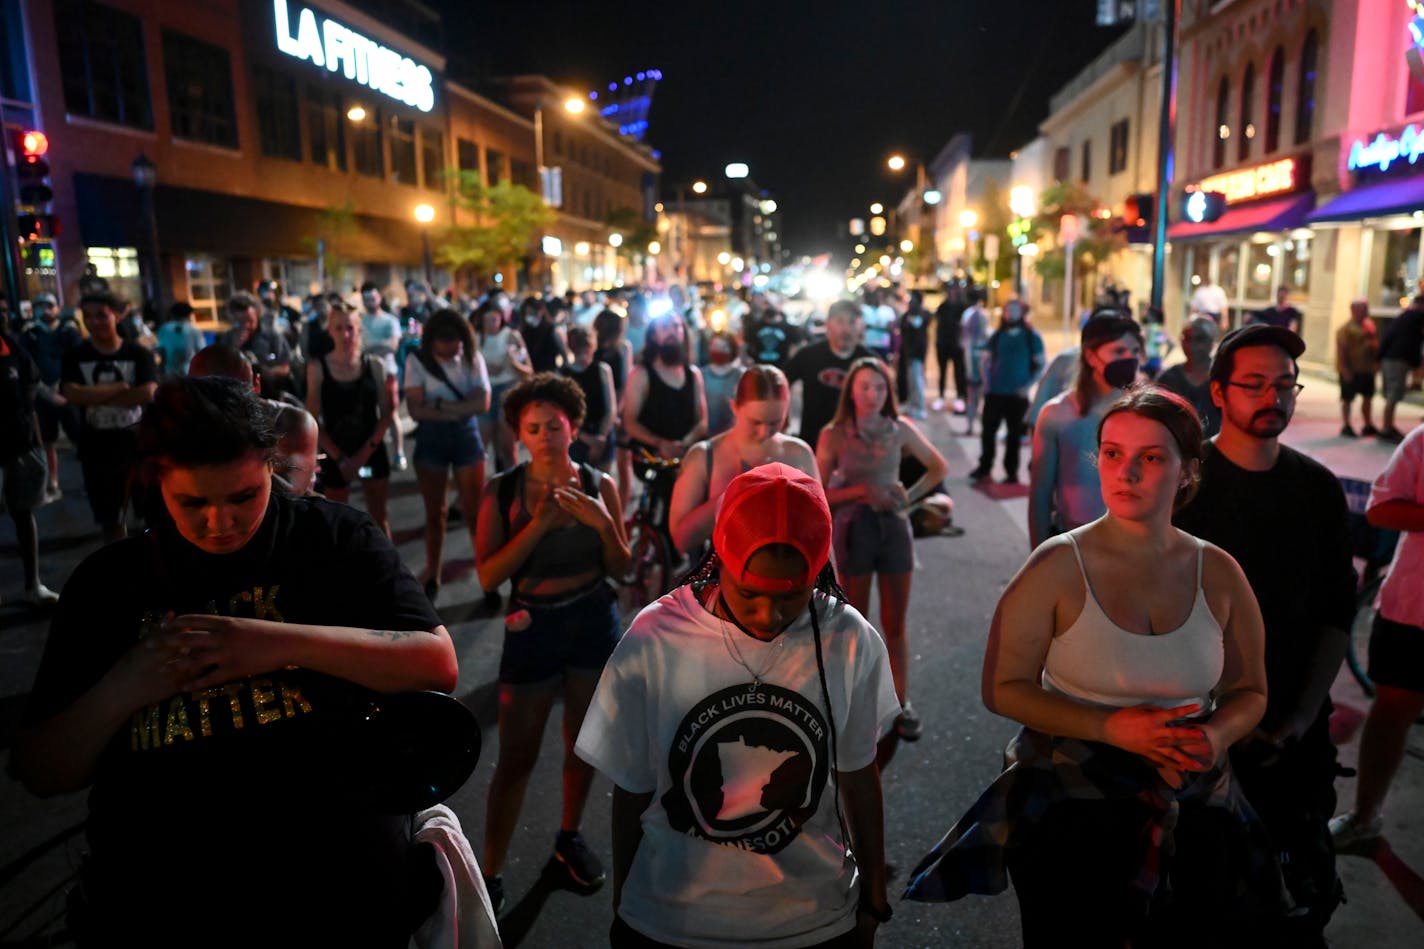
{"x":236,"y":598}
{"x":205,"y":718}
{"x":177,"y":725}
{"x":292,"y":699}
{"x":264,"y":701}
{"x":145,"y":729}
{"x":231,"y":690}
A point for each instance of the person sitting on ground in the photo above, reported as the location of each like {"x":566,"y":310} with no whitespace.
{"x":759,"y":407}
{"x":1133,"y":655}
{"x":859,"y":458}
{"x":294,"y":461}
{"x":1191,"y":379}
{"x":201,"y":680}
{"x":554,"y":529}
{"x":738,"y":720}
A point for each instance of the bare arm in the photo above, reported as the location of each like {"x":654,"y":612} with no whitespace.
{"x":634,"y":395}
{"x":865,"y":815}
{"x":1399,"y":514}
{"x":131,"y":396}
{"x":98,"y":394}
{"x":314,"y":375}
{"x":936,"y":468}
{"x":699,"y":429}
{"x":628,"y":811}
{"x":828,"y":449}
{"x":1042,"y":476}
{"x":693,"y":510}
{"x":617,"y":559}
{"x":499,"y":557}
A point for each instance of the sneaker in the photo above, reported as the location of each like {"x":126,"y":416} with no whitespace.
{"x":51,"y":494}
{"x":1010,"y":479}
{"x":979,"y":474}
{"x":1390,"y":435}
{"x":937,"y":405}
{"x":907,"y":724}
{"x":1347,"y":432}
{"x":401,"y":462}
{"x":1347,"y":834}
{"x":41,"y":596}
{"x":1369,"y":431}
{"x":495,"y":886}
{"x":580,"y":863}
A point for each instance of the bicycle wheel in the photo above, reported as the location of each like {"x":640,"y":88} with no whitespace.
{"x":647,"y":577}
{"x":1357,"y":654}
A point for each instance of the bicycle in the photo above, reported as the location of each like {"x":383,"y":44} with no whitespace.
{"x":654,"y":556}
{"x":1373,"y":550}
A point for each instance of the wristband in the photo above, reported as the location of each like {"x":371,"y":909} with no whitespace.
{"x":879,"y":915}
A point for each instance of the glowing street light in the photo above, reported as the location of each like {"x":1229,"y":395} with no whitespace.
{"x":615,"y":240}
{"x":877,"y":226}
{"x":968,"y":218}
{"x":768,"y":206}
{"x":424,"y":213}
{"x":860,"y":248}
{"x":738,"y":264}
{"x":737,"y":169}
{"x":885,"y":260}
{"x":356,"y":113}
{"x":574,"y":105}
{"x":896,"y":162}
{"x":933,"y":196}
{"x":582,"y":248}
{"x":724,"y":258}
{"x":877,"y":208}
{"x":1022,"y":201}
{"x":906,"y":246}
{"x":699,"y":187}
{"x":655,"y":248}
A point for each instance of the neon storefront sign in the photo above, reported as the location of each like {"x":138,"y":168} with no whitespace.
{"x":338,"y":48}
{"x":1385,"y":150}
{"x":1258,"y":181}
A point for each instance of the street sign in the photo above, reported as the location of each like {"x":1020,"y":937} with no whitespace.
{"x":1068,"y":228}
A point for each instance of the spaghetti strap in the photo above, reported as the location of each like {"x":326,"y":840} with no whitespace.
{"x":1079,"y":555}
{"x":1201,"y":548}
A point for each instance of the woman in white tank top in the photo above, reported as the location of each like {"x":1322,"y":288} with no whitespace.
{"x":1132,"y":654}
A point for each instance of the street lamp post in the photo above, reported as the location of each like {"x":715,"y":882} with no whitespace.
{"x":145,"y":177}
{"x":424,"y":213}
{"x":573,"y":106}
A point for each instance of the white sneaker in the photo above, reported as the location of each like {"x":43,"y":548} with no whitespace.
{"x":937,"y":405}
{"x":1349,"y":835}
{"x":41,"y":596}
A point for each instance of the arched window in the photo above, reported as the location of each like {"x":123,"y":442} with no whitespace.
{"x":1275,"y":80}
{"x":1305,"y":89}
{"x":1222,"y":131}
{"x":1248,"y":118}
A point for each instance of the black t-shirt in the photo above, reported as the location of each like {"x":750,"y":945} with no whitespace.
{"x":771,"y":342}
{"x":1289,"y":529}
{"x":821,"y":373}
{"x":18,"y":378}
{"x":131,"y":363}
{"x":1174,"y":379}
{"x":1404,"y":338}
{"x":947,"y":328}
{"x":225,"y":807}
{"x":1279,"y":316}
{"x":914,"y":334}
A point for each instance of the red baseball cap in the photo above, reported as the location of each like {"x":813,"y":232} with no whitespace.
{"x":773,"y":504}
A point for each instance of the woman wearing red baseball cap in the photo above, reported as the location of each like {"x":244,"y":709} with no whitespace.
{"x":738,"y":719}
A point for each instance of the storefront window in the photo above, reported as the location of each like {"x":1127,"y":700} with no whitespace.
{"x":1261,"y":271}
{"x":1228,"y":270}
{"x":366,"y":146}
{"x":209,"y":286}
{"x":1295,"y":261}
{"x":119,"y":266}
{"x":326,"y":127}
{"x":432,"y":159}
{"x":402,"y":134}
{"x":1399,"y":273}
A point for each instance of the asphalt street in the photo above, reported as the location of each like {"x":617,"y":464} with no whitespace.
{"x":927,"y":785}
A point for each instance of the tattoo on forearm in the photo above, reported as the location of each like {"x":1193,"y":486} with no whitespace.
{"x":393,"y":635}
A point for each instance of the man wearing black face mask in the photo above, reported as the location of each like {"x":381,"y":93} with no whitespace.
{"x":665,"y":410}
{"x":1283,"y":517}
{"x":1064,"y":491}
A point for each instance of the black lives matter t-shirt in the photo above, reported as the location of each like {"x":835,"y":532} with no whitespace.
{"x":85,"y":365}
{"x":229,"y":803}
{"x":821,"y":373}
{"x":1288,"y":528}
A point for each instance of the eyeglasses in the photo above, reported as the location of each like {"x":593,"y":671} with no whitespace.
{"x":1283,"y":390}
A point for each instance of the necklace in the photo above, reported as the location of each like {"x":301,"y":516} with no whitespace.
{"x":736,"y":653}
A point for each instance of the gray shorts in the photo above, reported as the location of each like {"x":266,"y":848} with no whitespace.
{"x":22,"y":481}
{"x":1394,"y":374}
{"x":867,"y":541}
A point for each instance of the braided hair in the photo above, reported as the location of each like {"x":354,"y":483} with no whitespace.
{"x":707,"y":567}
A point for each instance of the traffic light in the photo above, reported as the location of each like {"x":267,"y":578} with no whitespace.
{"x":1137,"y":218}
{"x":31,"y":169}
{"x":38,"y":227}
{"x":1200,"y":207}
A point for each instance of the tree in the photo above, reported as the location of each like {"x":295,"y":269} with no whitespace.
{"x":637,"y":232}
{"x":1097,"y":241}
{"x":334,"y":230}
{"x":506,"y":217}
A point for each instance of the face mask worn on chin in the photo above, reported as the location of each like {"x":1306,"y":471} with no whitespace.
{"x":718,"y":358}
{"x":1121,"y":373}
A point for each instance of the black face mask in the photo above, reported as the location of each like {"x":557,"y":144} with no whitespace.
{"x":1121,"y":373}
{"x":669,"y":353}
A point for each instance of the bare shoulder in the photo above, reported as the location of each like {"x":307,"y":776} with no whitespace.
{"x":1219,"y":568}
{"x":1050,"y":568}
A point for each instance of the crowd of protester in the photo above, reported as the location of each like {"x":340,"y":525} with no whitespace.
{"x":1167,"y":648}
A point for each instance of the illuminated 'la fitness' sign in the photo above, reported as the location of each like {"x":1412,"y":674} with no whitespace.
{"x":338,"y":48}
{"x":1386,"y":151}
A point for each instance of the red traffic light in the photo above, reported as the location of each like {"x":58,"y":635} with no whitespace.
{"x":38,"y":227}
{"x":33,"y":145}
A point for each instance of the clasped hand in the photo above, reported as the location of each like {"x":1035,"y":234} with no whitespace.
{"x":1157,"y":735}
{"x":886,"y":498}
{"x":195,"y":651}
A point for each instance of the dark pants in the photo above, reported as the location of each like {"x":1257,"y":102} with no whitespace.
{"x":107,"y":459}
{"x":961,"y":378}
{"x":623,"y":936}
{"x":1010,"y":410}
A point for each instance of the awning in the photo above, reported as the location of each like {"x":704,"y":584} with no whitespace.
{"x":1388,"y":197}
{"x":1280,"y":214}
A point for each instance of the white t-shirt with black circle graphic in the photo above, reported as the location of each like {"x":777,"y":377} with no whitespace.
{"x":741,"y":841}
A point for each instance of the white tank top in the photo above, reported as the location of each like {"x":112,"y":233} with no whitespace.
{"x":1097,"y":661}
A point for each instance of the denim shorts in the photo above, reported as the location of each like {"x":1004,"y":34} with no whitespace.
{"x":443,"y":445}
{"x":567,"y":635}
{"x":867,"y":541}
{"x":496,"y":409}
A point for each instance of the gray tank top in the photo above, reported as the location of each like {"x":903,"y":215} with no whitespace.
{"x":1097,"y":661}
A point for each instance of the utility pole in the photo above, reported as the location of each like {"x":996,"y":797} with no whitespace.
{"x":10,"y":269}
{"x":1167,"y":121}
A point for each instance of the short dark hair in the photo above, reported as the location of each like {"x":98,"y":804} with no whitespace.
{"x":1173,"y":413}
{"x":609,"y":327}
{"x":242,"y":301}
{"x":370,"y":285}
{"x":559,"y":391}
{"x":104,"y":298}
{"x":221,"y":359}
{"x":580,"y":337}
{"x":446,"y":324}
{"x":211,"y":420}
{"x":848,"y":308}
{"x":180,"y":310}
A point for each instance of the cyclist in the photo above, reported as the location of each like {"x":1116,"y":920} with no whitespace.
{"x":759,"y":409}
{"x":555,"y":530}
{"x":664,"y":409}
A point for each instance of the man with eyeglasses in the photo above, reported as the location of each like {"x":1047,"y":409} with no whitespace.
{"x":1282,"y":516}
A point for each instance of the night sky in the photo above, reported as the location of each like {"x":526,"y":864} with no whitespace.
{"x":812,"y":94}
